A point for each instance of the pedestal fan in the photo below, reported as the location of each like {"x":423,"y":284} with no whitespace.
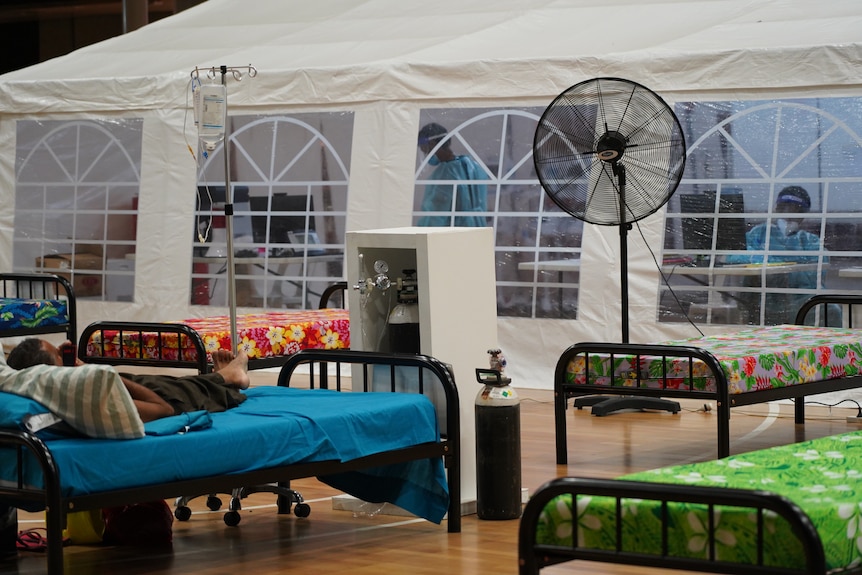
{"x":611,"y":152}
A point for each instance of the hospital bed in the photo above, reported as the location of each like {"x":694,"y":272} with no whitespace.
{"x":377,"y":446}
{"x":790,"y":509}
{"x":268,"y":337}
{"x":730,"y":370}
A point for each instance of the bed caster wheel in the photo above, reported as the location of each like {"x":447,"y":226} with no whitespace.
{"x":213,"y":503}
{"x":182,"y":513}
{"x":232,"y":518}
{"x":302,"y":510}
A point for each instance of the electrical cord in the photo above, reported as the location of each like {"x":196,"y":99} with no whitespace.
{"x":706,"y":407}
{"x":665,"y":280}
{"x":831,"y":405}
{"x":738,"y":412}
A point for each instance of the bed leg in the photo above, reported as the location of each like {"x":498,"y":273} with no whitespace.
{"x":799,"y":409}
{"x":723,"y":416}
{"x":560,"y":426}
{"x":453,"y":462}
{"x":54,"y":527}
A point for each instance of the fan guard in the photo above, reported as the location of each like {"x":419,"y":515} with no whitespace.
{"x":609,"y":151}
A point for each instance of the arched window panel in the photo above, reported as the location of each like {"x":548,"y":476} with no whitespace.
{"x":537,"y":245}
{"x":732,"y":252}
{"x":76,"y":189}
{"x":91,"y":199}
{"x":289,"y":181}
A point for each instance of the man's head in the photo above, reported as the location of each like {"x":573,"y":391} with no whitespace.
{"x":430,"y":135}
{"x":33,"y":351}
{"x":793,"y":199}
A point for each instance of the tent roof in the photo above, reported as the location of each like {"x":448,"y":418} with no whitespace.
{"x":342,"y":51}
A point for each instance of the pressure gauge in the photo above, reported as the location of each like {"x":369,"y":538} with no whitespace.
{"x":381,"y":267}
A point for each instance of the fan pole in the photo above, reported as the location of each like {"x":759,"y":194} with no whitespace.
{"x":620,"y":172}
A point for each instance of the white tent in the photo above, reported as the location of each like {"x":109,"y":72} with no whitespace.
{"x":385,"y":61}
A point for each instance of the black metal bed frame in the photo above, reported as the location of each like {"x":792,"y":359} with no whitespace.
{"x":41,"y":286}
{"x":56,"y":505}
{"x":724,"y":400}
{"x":532,"y":556}
{"x":185,"y":336}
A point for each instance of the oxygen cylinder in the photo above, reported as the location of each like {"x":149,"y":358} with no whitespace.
{"x":498,"y":444}
{"x":404,"y":317}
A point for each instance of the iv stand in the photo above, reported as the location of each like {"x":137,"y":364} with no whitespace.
{"x":236,"y":72}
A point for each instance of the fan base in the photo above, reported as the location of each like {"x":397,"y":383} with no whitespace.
{"x":605,"y":405}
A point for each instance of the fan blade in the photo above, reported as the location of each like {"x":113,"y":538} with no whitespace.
{"x":600,"y":123}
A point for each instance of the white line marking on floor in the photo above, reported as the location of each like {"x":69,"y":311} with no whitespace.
{"x":770,"y":418}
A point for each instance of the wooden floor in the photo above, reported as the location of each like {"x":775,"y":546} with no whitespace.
{"x":366,"y":542}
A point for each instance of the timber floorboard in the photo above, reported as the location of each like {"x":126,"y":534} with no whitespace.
{"x":330,"y":541}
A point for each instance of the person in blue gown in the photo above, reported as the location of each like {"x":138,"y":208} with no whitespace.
{"x":783,"y":234}
{"x":458,"y":176}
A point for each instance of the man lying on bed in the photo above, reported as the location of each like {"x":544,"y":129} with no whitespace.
{"x":157,"y":395}
{"x":154,"y":396}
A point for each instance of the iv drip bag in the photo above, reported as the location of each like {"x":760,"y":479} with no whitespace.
{"x":213,"y":115}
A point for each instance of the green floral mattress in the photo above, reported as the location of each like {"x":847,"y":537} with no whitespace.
{"x":754,"y":359}
{"x":823,"y":477}
{"x":17,"y":313}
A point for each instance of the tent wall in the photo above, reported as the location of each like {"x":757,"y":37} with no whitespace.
{"x":385,"y":65}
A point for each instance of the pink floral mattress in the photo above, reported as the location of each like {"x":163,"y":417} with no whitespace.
{"x":755,"y":359}
{"x":260,"y":335}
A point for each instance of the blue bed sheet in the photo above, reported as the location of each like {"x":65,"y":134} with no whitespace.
{"x":274,"y":426}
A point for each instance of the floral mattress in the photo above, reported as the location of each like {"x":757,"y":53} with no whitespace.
{"x":759,"y":358}
{"x":821,"y":476}
{"x":17,"y":313}
{"x":260,"y":335}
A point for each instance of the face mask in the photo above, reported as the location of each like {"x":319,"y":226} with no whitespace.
{"x":434,"y":160}
{"x":788,"y":227}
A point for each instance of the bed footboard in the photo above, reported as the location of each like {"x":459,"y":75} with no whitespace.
{"x":26,"y":446}
{"x":687,"y":382}
{"x":533,"y":555}
{"x":333,"y":369}
{"x":122,"y":343}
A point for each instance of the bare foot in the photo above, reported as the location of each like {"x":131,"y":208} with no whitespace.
{"x":221,"y":358}
{"x":234,"y":369}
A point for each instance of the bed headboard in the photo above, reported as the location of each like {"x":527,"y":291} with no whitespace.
{"x":845,"y":300}
{"x":45,"y":287}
